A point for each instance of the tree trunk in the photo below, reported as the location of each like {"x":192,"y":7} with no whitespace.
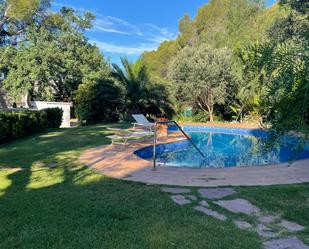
{"x":206,"y":100}
{"x":210,"y":112}
{"x":211,"y":118}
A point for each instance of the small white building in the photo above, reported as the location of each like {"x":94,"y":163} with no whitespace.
{"x":65,"y":106}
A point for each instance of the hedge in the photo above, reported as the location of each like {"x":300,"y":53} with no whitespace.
{"x":54,"y":117}
{"x":14,"y":125}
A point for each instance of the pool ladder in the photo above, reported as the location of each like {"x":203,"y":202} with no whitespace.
{"x":182,"y":131}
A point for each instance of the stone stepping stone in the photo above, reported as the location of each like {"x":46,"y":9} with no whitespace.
{"x":267,"y":219}
{"x":192,"y":197}
{"x":241,"y":224}
{"x":238,"y":206}
{"x":285,"y":243}
{"x":204,"y":203}
{"x":211,"y":213}
{"x":291,"y":226}
{"x":180,"y":200}
{"x":175,"y":190}
{"x":216,"y":193}
{"x":265,"y":231}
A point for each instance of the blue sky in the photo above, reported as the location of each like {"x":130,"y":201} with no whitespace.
{"x":129,"y":27}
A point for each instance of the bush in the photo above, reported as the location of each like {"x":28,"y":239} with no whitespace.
{"x":54,"y":117}
{"x":200,"y":116}
{"x":183,"y":119}
{"x":98,"y":102}
{"x":14,"y":125}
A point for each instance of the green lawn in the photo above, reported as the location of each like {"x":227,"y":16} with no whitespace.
{"x":49,"y":200}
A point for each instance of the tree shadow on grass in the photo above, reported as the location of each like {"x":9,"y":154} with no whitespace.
{"x":26,"y":151}
{"x":67,"y":205}
{"x":87,"y":210}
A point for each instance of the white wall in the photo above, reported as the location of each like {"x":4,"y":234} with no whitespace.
{"x":63,"y":105}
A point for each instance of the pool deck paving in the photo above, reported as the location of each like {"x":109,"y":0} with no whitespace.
{"x":117,"y":161}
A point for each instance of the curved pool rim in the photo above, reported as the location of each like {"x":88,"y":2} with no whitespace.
{"x":146,"y":152}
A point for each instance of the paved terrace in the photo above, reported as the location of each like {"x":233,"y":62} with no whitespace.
{"x":120,"y":162}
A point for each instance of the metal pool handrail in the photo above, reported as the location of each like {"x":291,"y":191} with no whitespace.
{"x":155,"y":139}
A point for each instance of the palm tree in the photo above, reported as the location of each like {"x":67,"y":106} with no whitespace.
{"x":140,"y":95}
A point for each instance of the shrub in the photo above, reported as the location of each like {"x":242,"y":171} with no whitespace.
{"x":14,"y":125}
{"x":54,"y":117}
{"x":184,"y":119}
{"x":201,"y":116}
{"x":98,"y":101}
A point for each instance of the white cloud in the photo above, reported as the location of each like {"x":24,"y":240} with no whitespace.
{"x":157,"y":39}
{"x":111,"y":24}
{"x":149,"y":32}
{"x":149,"y":35}
{"x":164,"y":32}
{"x":120,"y":49}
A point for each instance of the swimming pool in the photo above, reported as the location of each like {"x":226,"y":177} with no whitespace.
{"x":227,"y":147}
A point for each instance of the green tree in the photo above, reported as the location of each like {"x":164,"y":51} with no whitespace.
{"x":54,"y":59}
{"x":204,"y":76}
{"x":219,"y":23}
{"x":141,"y":95}
{"x":282,"y":66}
{"x":157,"y":61}
{"x":17,"y":15}
{"x":248,"y":94}
{"x":98,"y":101}
{"x":188,"y":32}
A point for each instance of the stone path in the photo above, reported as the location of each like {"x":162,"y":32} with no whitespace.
{"x":176,"y":190}
{"x":204,"y":203}
{"x":267,"y":219}
{"x":265,"y":231}
{"x":211,"y":213}
{"x":239,"y":206}
{"x":241,"y":224}
{"x":216,"y":193}
{"x":285,"y":243}
{"x":192,"y":197}
{"x":180,"y":200}
{"x":269,"y":227}
{"x":291,"y":226}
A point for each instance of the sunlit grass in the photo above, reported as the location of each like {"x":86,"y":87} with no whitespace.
{"x":48,"y":199}
{"x":5,"y":182}
{"x":41,"y":177}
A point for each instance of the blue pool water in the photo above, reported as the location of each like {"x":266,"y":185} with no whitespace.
{"x":224,"y":147}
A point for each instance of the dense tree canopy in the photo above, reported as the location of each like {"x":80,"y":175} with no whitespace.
{"x":53,"y":60}
{"x":204,"y":76}
{"x":17,"y":15}
{"x":141,"y":95}
{"x":269,"y":60}
{"x":46,"y":56}
{"x":282,"y":66}
{"x":99,"y":101}
{"x":220,"y":23}
{"x":235,"y":59}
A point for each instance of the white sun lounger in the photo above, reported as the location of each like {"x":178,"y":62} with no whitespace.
{"x":142,"y":121}
{"x":123,"y":136}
